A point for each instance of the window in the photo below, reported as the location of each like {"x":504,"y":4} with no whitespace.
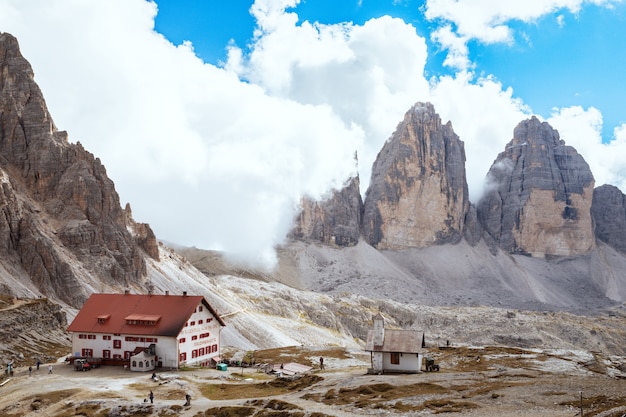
{"x":82,"y":336}
{"x":106,"y":354}
{"x":194,"y":353}
{"x":134,"y":364}
{"x":117,"y":356}
{"x":200,"y":308}
{"x":182,"y":340}
{"x":205,"y":335}
{"x":91,"y":336}
{"x":183,"y":357}
{"x":214,"y":348}
{"x":106,"y":337}
{"x":194,"y":337}
{"x":87,"y":352}
{"x":193,"y":323}
{"x":200,"y":321}
{"x":201,"y":352}
{"x":117,"y":344}
{"x":395,"y":358}
{"x":128,"y":354}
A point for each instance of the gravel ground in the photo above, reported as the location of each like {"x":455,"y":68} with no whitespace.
{"x":473,"y":382}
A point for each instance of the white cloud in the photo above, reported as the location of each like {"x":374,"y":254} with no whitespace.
{"x":204,"y":158}
{"x":486,"y":20}
{"x":484,"y":115}
{"x":213,"y":161}
{"x":368,"y":75}
{"x":581,"y":129}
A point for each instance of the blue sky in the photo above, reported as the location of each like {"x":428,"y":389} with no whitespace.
{"x":214,"y":118}
{"x":560,"y":59}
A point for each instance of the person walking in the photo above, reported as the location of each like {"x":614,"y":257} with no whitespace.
{"x":38,"y":363}
{"x":49,"y":369}
{"x":322,"y":364}
{"x":151,"y":396}
{"x":30,"y":370}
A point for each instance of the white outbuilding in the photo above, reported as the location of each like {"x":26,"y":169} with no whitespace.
{"x":394,"y":351}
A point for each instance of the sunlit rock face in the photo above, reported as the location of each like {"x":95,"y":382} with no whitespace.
{"x":539,"y":194}
{"x":609,"y":214}
{"x":418,"y":191}
{"x":61,"y":216}
{"x":333,"y":221}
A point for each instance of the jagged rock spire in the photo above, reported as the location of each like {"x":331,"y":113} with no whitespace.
{"x":418,"y":192}
{"x":539,"y":195}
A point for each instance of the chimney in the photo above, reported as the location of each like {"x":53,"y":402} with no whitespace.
{"x":167,"y":292}
{"x":126,"y":291}
{"x":184,"y":293}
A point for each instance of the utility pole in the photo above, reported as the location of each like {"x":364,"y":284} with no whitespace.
{"x":581,"y":404}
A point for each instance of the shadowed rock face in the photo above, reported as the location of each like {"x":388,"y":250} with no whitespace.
{"x":539,"y":194}
{"x":61,"y":214}
{"x":335,"y":220}
{"x":418,"y":192}
{"x":609,"y":215}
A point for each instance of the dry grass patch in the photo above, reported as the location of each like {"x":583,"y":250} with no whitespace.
{"x":261,"y":408}
{"x":593,"y":406}
{"x":37,"y":403}
{"x":298,"y":354}
{"x":467,"y":359}
{"x":227,"y":412}
{"x":42,"y":400}
{"x":273,"y":404}
{"x":87,"y":409}
{"x":276,"y":386}
{"x":484,"y":388}
{"x":448,"y":406}
{"x":161,"y":392}
{"x":375,"y":395}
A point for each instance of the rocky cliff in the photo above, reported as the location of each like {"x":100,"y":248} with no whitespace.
{"x":609,"y":215}
{"x":418,"y":192}
{"x":539,"y":195}
{"x":61,"y":216}
{"x":335,"y":220}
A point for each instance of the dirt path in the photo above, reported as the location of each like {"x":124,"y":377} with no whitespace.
{"x":16,"y":303}
{"x":503,"y":386}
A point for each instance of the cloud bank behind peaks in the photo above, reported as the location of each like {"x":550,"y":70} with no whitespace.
{"x":206,"y":159}
{"x":219,"y":157}
{"x":367,"y":75}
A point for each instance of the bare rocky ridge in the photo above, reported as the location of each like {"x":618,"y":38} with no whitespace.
{"x":62,"y":217}
{"x":609,"y":215}
{"x":32,"y":329}
{"x":334,"y":221}
{"x":539,"y":195}
{"x":418,"y":192}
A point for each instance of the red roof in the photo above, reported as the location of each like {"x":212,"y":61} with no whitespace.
{"x":162,"y":315}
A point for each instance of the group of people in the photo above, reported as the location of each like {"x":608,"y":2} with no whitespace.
{"x":11,"y":368}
